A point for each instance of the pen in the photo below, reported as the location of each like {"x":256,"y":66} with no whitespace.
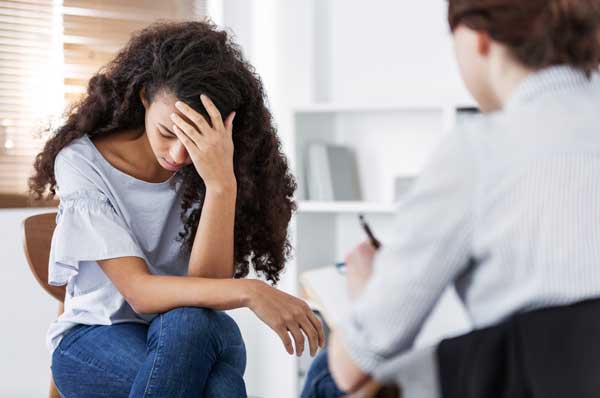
{"x":367,"y":229}
{"x":341,"y":265}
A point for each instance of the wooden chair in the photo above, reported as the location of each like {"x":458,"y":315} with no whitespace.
{"x":37,"y":236}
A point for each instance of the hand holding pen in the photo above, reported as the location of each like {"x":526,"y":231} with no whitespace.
{"x":374,"y":241}
{"x":358,"y":266}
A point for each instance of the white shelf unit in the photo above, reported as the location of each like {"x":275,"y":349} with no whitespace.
{"x":312,"y":206}
{"x":389,"y":140}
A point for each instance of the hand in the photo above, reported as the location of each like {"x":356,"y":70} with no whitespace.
{"x":210,"y":148}
{"x":359,"y":267}
{"x":286,"y":314}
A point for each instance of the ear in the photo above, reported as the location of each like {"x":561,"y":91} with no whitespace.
{"x":143,"y":97}
{"x":484,"y":43}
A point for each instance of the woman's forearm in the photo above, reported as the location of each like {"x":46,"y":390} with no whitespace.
{"x":212,"y":251}
{"x":160,"y":293}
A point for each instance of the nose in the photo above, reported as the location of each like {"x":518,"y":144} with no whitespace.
{"x":178,"y":153}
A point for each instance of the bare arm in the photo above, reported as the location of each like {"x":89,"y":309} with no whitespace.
{"x":347,"y":375}
{"x":212,"y":252}
{"x":147,"y":293}
{"x":210,"y":146}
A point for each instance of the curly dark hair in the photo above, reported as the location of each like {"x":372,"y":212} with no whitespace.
{"x":187,"y":59}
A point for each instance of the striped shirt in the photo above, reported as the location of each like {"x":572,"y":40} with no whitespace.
{"x":507,"y":209}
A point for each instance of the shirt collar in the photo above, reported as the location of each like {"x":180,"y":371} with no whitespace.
{"x":554,"y":79}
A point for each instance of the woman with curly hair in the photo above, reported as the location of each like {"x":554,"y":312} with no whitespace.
{"x":172,"y":183}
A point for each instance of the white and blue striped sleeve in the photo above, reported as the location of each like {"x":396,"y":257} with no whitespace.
{"x":429,"y":248}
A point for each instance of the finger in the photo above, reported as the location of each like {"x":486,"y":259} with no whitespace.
{"x":185,"y":140}
{"x":318,"y":326}
{"x":229,"y":123}
{"x":287,"y":342}
{"x":196,"y":117}
{"x":298,"y":338}
{"x":312,"y":335}
{"x":213,"y":111}
{"x":367,"y":247}
{"x":189,"y":130}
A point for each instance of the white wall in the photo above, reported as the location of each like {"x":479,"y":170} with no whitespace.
{"x":384,"y":51}
{"x":27,"y":311}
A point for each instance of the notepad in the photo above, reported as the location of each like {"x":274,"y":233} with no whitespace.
{"x":327,"y":289}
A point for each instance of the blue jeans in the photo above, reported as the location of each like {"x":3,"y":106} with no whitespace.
{"x":185,"y":352}
{"x":319,"y":382}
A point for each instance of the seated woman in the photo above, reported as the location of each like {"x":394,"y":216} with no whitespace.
{"x":506,"y":210}
{"x":172,"y":184}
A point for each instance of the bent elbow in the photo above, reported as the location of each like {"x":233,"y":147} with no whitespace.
{"x":346,"y":374}
{"x":138,"y":310}
{"x":137,"y":302}
{"x":137,"y":306}
{"x":345,"y":382}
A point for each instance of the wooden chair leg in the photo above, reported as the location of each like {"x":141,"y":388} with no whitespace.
{"x":53,"y":391}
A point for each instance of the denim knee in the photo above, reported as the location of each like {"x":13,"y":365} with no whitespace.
{"x":192,"y":323}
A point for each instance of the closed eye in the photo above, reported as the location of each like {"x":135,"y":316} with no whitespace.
{"x":169,"y":134}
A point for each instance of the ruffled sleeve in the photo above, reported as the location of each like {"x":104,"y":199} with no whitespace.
{"x":88,"y":227}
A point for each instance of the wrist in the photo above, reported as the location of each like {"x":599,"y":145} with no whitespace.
{"x":222,"y":188}
{"x":249,"y":292}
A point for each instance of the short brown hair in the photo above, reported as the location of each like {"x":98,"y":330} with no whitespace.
{"x":540,"y":33}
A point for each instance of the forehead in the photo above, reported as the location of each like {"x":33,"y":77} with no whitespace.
{"x":163,"y":105}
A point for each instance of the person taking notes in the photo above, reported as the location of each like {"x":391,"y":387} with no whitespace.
{"x":507,"y":208}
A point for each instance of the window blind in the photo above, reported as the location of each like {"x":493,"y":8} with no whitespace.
{"x":30,"y":56}
{"x":94,"y":30}
{"x":49,"y":49}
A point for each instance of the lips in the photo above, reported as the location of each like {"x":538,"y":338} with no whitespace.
{"x":172,"y":166}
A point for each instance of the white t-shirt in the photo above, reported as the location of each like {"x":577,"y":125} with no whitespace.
{"x":106,"y":213}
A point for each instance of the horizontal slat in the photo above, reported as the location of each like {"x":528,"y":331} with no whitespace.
{"x":76,"y":82}
{"x":24,"y":81}
{"x":25,"y":139}
{"x":12,"y":43}
{"x":42,"y":35}
{"x":129,"y":15}
{"x":44,"y":8}
{"x":25,"y":58}
{"x":16,"y":120}
{"x":11,"y":109}
{"x":26,"y":29}
{"x":24,"y":155}
{"x":21,"y":170}
{"x":77,"y":24}
{"x":36,"y":22}
{"x":16,"y":155}
{"x":112,"y":4}
{"x":27,"y":14}
{"x":34,"y":2}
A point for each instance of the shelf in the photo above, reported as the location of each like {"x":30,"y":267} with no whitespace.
{"x":413,"y":106}
{"x":310,"y":206}
{"x":350,"y":108}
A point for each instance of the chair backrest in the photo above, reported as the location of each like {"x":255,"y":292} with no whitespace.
{"x":37,"y":236}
